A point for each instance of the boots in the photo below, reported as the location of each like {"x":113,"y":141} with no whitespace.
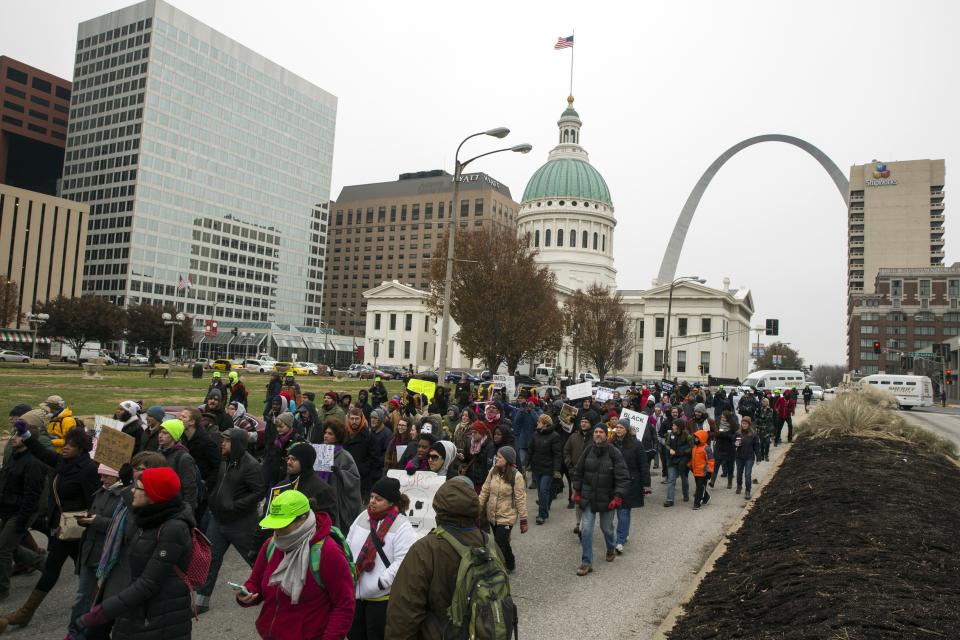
{"x":22,"y":616}
{"x":730,"y":481}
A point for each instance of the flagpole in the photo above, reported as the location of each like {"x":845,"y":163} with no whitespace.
{"x":573,"y":34}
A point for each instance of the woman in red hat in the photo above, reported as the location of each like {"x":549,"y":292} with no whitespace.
{"x":478,"y":455}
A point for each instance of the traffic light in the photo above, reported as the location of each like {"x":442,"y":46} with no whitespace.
{"x":773,"y":327}
{"x":876,"y":346}
{"x":949,"y":375}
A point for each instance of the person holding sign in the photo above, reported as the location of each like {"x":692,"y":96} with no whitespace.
{"x":638,"y":465}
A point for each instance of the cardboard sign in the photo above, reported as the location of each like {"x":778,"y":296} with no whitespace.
{"x":420,"y":488}
{"x":604,"y":394}
{"x":506,"y":382}
{"x":637,"y":420}
{"x":324,"y":461}
{"x":423,"y":387}
{"x":99,"y":422}
{"x":567,"y":413}
{"x":114,"y":447}
{"x":577,"y":391}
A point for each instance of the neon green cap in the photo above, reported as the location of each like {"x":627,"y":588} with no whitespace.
{"x":174,"y":427}
{"x":289,"y":373}
{"x":233,"y":376}
{"x":216,"y":374}
{"x":284,"y":509}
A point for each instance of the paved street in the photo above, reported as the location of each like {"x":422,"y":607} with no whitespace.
{"x":626,"y":598}
{"x":943,"y":422}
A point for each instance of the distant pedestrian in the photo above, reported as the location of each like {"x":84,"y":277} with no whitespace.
{"x":503,"y":502}
{"x":679,"y":444}
{"x":702,"y":465}
{"x":748,"y":451}
{"x":638,"y":465}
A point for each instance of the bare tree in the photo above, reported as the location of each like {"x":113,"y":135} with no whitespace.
{"x":599,"y":329}
{"x":828,"y":375}
{"x":9,"y":303}
{"x":503,"y":302}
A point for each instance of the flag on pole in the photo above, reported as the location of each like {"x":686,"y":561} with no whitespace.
{"x":181,"y":284}
{"x":564,"y":42}
{"x":189,"y":282}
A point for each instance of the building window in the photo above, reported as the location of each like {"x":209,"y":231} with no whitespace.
{"x":604,"y":243}
{"x":896,"y":288}
{"x":596,"y":237}
{"x":640,"y":362}
{"x":478,"y":207}
{"x":393,"y":322}
{"x":415,"y":212}
{"x":681,"y":327}
{"x":408,"y":322}
{"x":426,"y":323}
{"x":895,"y":316}
{"x":390,"y":346}
{"x":16,"y":75}
{"x":924,"y":331}
{"x":704,"y":325}
{"x":559,"y":237}
{"x":871,"y":329}
{"x":640,"y":326}
{"x":536,"y":238}
{"x":705,"y":362}
{"x":658,"y":359}
{"x":546,"y":238}
{"x":464,"y":208}
{"x":922,"y":316}
{"x":658,"y":328}
{"x":585,"y":237}
{"x":393,"y":213}
{"x":406,"y":349}
{"x":681,"y":361}
{"x":924,"y":288}
{"x":424,"y":350}
{"x":573,"y":238}
{"x":953,"y":288}
{"x":376,"y":322}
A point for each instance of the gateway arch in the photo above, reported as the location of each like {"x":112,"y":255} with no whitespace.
{"x":668,"y":267}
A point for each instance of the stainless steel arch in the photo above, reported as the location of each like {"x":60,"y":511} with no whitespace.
{"x":668,"y":266}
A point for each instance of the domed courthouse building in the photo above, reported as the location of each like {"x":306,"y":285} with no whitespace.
{"x":567,"y":211}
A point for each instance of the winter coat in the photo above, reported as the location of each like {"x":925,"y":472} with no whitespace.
{"x":477,"y":466}
{"x":206,"y":454}
{"x":638,"y":465}
{"x":782,"y":408}
{"x":74,"y":482}
{"x":424,"y":585}
{"x":747,"y":406}
{"x":155,"y":604}
{"x":239,"y":482}
{"x":545,"y":452}
{"x":217,"y":416}
{"x":363,"y":446}
{"x":105,"y":502}
{"x":323,"y":613}
{"x":345,"y":481}
{"x":149,"y":439}
{"x":700,"y":463}
{"x":749,"y":448}
{"x":180,"y":460}
{"x":239,"y":393}
{"x":503,"y":502}
{"x":376,"y":583}
{"x":316,"y":433}
{"x":524,"y":424}
{"x":22,"y":480}
{"x":576,"y":444}
{"x":600,"y":475}
{"x":682,"y":444}
{"x":134,"y":427}
{"x":58,"y":427}
{"x":274,"y":461}
{"x":725,"y":449}
{"x":765,"y":420}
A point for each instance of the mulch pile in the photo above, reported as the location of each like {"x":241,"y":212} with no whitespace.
{"x":853,"y":539}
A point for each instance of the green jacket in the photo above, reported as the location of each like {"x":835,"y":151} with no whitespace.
{"x":682,"y":444}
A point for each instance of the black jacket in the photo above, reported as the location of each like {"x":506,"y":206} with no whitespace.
{"x":366,"y":453}
{"x":105,"y":502}
{"x":476,"y":467}
{"x":134,"y":427}
{"x":725,"y":444}
{"x":75,"y":480}
{"x":600,"y":475}
{"x":545,"y":452}
{"x":22,"y":480}
{"x":206,"y":453}
{"x":180,"y":460}
{"x":639,"y":467}
{"x":155,"y":604}
{"x":239,"y":483}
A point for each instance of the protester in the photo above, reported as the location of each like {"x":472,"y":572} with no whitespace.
{"x":238,"y":390}
{"x":679,"y":444}
{"x":725,"y":450}
{"x":274,"y":463}
{"x":638,"y":466}
{"x":300,"y":601}
{"x":60,"y":418}
{"x":461,"y":433}
{"x":307,"y":418}
{"x":302,"y":477}
{"x":601,"y":479}
{"x":503,"y":502}
{"x":545,"y":461}
{"x":205,"y":452}
{"x":702,"y":465}
{"x":214,"y":410}
{"x":243,"y":420}
{"x":180,"y":460}
{"x":128,"y":412}
{"x":416,"y":457}
{"x":399,"y":444}
{"x":22,"y":480}
{"x":362,"y":446}
{"x":766,"y":420}
{"x":155,"y":417}
{"x":478,"y":455}
{"x":344,"y":478}
{"x":573,"y":448}
{"x":329,"y":409}
{"x":441,"y":458}
{"x":748,"y":450}
{"x":379,"y":539}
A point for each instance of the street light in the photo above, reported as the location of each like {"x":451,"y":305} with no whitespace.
{"x":35,"y":320}
{"x":458,"y":167}
{"x":666,"y":359}
{"x":172,"y":322}
{"x":354,"y":314}
{"x":247,"y":336}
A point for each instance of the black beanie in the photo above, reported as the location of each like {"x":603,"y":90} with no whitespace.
{"x":19,"y":410}
{"x":306,"y":454}
{"x":388,"y":489}
{"x":440,"y":449}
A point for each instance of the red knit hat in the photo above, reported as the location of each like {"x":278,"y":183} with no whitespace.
{"x":333,"y":395}
{"x":395,"y":403}
{"x":612,"y":414}
{"x":160,"y":484}
{"x":481,"y":428}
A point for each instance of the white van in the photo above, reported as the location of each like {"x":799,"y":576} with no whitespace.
{"x":770,"y":379}
{"x":910,"y":391}
{"x":543,"y":374}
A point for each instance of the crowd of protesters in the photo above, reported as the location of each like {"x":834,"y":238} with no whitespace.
{"x":331,"y":550}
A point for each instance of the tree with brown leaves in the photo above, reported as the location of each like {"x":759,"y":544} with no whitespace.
{"x":503,"y":302}
{"x":78,"y":321}
{"x":599,"y":330}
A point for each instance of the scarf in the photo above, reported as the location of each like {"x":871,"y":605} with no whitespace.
{"x":281,"y":441}
{"x":292,"y":571}
{"x":476,"y":445}
{"x":112,"y":543}
{"x":368,"y":554}
{"x":325,"y":475}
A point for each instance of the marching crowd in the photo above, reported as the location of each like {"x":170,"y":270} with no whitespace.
{"x":331,"y":549}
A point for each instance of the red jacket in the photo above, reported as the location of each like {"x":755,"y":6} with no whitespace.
{"x":321,"y":614}
{"x":782,"y":407}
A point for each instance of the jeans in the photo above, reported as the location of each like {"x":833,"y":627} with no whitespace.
{"x":523,"y":455}
{"x":623,"y":525}
{"x":545,"y":493}
{"x":586,"y":532}
{"x":240,"y":534}
{"x":501,"y":534}
{"x":700,"y":494}
{"x":765,"y":447}
{"x":663,"y":460}
{"x":369,"y":620}
{"x":745,"y":466}
{"x":57,"y":553}
{"x":12,"y":551}
{"x":83,"y":600}
{"x":672,"y":473}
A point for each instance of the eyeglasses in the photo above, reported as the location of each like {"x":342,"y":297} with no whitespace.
{"x":135,"y":488}
{"x":434,"y":456}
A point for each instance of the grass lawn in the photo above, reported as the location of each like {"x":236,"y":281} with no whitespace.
{"x":24,"y":384}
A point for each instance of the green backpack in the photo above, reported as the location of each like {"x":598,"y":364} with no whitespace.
{"x":316,"y":549}
{"x":481,"y":607}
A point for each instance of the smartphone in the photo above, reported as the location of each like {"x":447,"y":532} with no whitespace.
{"x":239,"y":588}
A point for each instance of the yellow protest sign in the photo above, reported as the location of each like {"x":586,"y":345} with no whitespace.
{"x":423,"y":387}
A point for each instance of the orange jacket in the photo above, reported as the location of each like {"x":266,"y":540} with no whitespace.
{"x":700,"y":462}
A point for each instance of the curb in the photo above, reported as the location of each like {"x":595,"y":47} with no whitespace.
{"x":667,"y":624}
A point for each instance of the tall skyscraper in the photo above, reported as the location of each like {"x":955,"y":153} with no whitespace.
{"x":895,"y":218}
{"x":203,"y":163}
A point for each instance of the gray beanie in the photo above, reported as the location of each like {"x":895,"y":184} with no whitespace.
{"x":509,"y":454}
{"x":625,"y":423}
{"x":286,"y":418}
{"x":157,"y":413}
{"x":702,"y":408}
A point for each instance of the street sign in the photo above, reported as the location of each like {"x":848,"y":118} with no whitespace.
{"x":921,"y":354}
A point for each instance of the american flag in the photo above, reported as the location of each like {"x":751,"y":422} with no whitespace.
{"x":564,"y":43}
{"x":181,"y":284}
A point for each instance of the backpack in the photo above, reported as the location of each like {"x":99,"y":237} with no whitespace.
{"x":316,"y":550}
{"x":481,"y":607}
{"x":199,"y":566}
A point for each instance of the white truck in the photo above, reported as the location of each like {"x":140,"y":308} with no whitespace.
{"x":60,"y":351}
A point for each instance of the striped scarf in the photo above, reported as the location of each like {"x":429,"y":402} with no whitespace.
{"x":113,"y":543}
{"x":368,"y":554}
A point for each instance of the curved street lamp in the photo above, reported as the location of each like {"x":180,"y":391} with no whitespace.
{"x":35,"y":320}
{"x":172,"y":322}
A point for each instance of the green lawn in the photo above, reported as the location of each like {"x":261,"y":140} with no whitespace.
{"x":24,"y":384}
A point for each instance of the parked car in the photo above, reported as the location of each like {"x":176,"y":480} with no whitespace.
{"x":355,"y":369}
{"x":427,"y":375}
{"x":8,"y":355}
{"x":310,"y":367}
{"x":204,"y":362}
{"x":615,"y":381}
{"x":525,"y":379}
{"x":258,"y":366}
{"x":283,"y":367}
{"x":589,"y":377}
{"x":136,"y":358}
{"x":395,"y":372}
{"x":817,"y":391}
{"x":370,"y":373}
{"x":222,"y":364}
{"x":455,"y":375}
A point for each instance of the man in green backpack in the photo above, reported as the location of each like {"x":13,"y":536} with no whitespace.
{"x":453,"y":583}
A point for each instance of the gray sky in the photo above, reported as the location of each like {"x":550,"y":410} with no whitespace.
{"x":662,"y":88}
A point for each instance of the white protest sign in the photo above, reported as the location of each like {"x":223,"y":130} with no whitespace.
{"x":400,"y":449}
{"x":420,"y":488}
{"x":577,"y":391}
{"x":507,"y":382}
{"x":324,"y":461}
{"x":604,"y":394}
{"x":99,"y":422}
{"x":637,"y":420}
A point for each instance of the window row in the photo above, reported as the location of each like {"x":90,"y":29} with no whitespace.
{"x":599,"y":240}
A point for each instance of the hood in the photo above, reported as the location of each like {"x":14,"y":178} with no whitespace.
{"x":240,"y":410}
{"x":451,"y":450}
{"x":311,"y":410}
{"x":701,"y":437}
{"x":215,"y":393}
{"x":457,"y":504}
{"x":35,"y":418}
{"x":238,"y":444}
{"x":506,"y":433}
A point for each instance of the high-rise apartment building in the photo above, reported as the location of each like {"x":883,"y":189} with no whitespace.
{"x":33,"y":126}
{"x":202,"y":162}
{"x":392,"y":231}
{"x":895,"y":219}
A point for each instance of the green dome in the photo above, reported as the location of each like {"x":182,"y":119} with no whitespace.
{"x":567,"y":178}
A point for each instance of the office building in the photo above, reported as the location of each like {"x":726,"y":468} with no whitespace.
{"x":41,"y":249}
{"x":895,"y":219}
{"x":392,"y":231}
{"x":202,"y":163}
{"x":33,"y":126}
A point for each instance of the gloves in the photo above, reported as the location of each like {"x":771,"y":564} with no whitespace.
{"x":94,"y":618}
{"x":21,"y":426}
{"x":616,"y":503}
{"x":576,"y":497}
{"x":523,"y":525}
{"x":557,"y":475}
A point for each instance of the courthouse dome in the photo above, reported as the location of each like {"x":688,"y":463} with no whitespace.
{"x":567,"y":178}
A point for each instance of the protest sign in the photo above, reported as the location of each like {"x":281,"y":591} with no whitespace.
{"x":114,"y":447}
{"x":567,"y":413}
{"x":667,"y":386}
{"x":420,"y":488}
{"x":423,"y":387}
{"x":505,"y":382}
{"x":604,"y":394}
{"x":637,"y":420}
{"x":324,"y":461}
{"x":577,"y":391}
{"x":99,"y":422}
{"x":400,"y":450}
{"x":277,"y":490}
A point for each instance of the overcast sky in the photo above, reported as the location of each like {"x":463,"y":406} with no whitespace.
{"x":662,"y":88}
